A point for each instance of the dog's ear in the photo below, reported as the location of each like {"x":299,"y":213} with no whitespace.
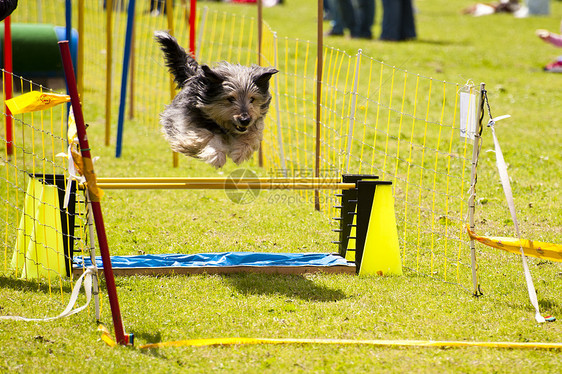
{"x":262,"y":80}
{"x":212,"y":76}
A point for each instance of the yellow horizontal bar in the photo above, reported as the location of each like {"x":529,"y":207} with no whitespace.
{"x":213,"y":180}
{"x":226,"y":185}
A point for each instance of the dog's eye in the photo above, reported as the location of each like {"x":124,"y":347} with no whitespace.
{"x":231,"y":99}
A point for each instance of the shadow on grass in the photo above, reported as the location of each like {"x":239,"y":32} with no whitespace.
{"x":33,"y":285}
{"x":523,"y":305}
{"x":438,"y":42}
{"x":293,"y":286}
{"x":548,"y":304}
{"x":150,"y":338}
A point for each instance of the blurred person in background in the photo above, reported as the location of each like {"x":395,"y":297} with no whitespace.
{"x":398,"y":20}
{"x":555,"y":40}
{"x":358,"y":16}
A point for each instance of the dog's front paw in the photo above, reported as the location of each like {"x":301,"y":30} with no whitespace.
{"x":213,"y":157}
{"x":240,"y":157}
{"x":242,"y":152}
{"x":218,"y":161}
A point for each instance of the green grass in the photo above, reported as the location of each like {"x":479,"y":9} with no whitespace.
{"x":499,"y":50}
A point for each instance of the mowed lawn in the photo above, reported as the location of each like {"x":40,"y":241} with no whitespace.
{"x":499,"y":50}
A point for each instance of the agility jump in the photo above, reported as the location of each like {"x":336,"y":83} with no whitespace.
{"x":357,"y":199}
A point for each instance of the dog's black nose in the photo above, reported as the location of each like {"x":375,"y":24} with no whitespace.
{"x":244,"y":119}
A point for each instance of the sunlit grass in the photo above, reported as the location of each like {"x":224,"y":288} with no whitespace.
{"x":499,"y":50}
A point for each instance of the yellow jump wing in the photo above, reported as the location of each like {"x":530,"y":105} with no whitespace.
{"x":35,"y":100}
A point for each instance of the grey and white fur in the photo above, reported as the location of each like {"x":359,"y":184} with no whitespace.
{"x":219,"y":111}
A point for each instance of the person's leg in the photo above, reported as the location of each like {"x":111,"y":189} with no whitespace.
{"x":348,"y":15}
{"x":391,"y":20}
{"x":408,"y":29}
{"x":336,"y":18}
{"x":365,"y":15}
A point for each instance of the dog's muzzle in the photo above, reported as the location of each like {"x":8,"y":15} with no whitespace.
{"x":243,"y":122}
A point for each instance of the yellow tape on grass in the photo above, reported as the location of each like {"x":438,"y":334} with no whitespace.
{"x":376,"y":343}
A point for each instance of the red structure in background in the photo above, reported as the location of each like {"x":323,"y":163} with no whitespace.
{"x":8,"y":69}
{"x":192,"y":18}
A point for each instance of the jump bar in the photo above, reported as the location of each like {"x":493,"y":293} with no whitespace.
{"x":213,"y":179}
{"x":222,"y":183}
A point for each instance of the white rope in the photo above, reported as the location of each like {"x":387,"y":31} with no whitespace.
{"x":502,"y":169}
{"x":73,"y":174}
{"x":87,"y":278}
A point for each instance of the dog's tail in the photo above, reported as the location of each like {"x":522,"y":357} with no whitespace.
{"x":179,"y":62}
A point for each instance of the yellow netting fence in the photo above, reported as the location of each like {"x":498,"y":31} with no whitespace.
{"x":375,"y":119}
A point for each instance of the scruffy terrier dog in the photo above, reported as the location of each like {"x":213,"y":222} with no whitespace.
{"x":219,"y":112}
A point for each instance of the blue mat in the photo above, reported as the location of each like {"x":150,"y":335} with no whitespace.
{"x":223,"y":259}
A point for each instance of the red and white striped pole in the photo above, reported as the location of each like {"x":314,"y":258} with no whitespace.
{"x":88,"y":172}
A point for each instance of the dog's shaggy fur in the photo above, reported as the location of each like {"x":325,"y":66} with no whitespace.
{"x":219,"y":112}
